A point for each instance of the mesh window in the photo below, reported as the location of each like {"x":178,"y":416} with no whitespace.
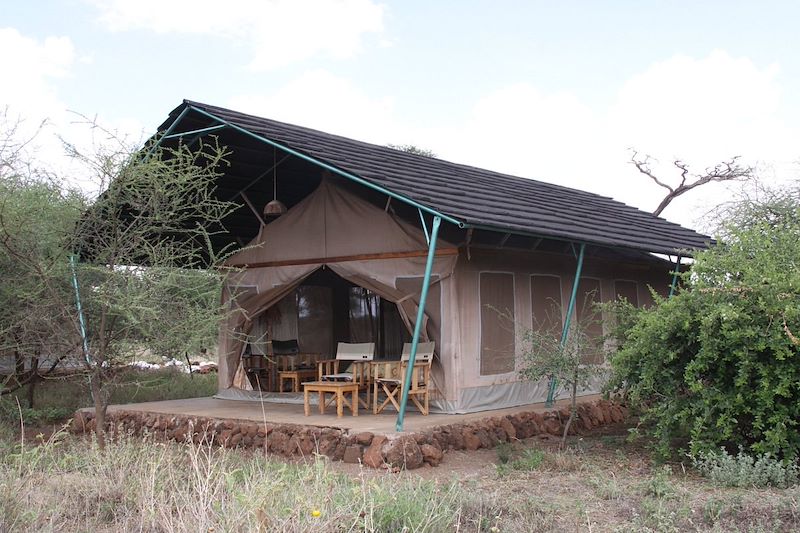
{"x":590,"y":319}
{"x":627,"y":290}
{"x":546,"y":304}
{"x":497,"y":323}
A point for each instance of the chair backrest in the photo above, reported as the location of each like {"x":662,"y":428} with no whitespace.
{"x":363,"y":351}
{"x":289,"y":347}
{"x":424,"y":352}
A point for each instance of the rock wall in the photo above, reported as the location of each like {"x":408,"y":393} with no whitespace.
{"x":407,"y":450}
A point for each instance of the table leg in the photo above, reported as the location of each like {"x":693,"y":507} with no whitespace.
{"x":306,"y":407}
{"x":321,"y":402}
{"x":354,"y":401}
{"x":339,"y":403}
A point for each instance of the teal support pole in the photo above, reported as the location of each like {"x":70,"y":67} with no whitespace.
{"x":195,"y":132}
{"x":81,"y":319}
{"x":166,"y":133}
{"x":674,"y":284}
{"x":423,"y":297}
{"x":570,"y":309}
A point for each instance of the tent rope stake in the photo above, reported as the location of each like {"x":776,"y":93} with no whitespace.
{"x":423,"y":297}
{"x":570,"y":309}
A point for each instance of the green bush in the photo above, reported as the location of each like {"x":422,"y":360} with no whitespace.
{"x":529,"y":460}
{"x":717,"y":364}
{"x":744,"y":470}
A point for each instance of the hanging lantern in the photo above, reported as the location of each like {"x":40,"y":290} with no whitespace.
{"x":275,"y":207}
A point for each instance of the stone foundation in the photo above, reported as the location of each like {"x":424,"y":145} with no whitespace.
{"x":406,"y":450}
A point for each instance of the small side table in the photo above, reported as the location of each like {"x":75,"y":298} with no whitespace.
{"x":296,"y":377}
{"x":338,"y":388}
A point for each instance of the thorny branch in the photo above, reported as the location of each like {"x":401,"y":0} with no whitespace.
{"x":730,"y":170}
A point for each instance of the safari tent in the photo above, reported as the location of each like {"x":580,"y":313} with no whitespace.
{"x":368,"y":230}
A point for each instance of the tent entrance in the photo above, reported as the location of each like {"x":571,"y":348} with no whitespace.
{"x":320,"y":312}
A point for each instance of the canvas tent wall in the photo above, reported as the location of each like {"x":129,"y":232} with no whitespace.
{"x":355,"y":239}
{"x":528,"y":287}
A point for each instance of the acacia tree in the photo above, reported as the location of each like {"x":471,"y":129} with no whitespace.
{"x":570,"y":363}
{"x":36,"y":216}
{"x":146,"y":276}
{"x":730,"y":170}
{"x":150,"y":271}
{"x":716,"y":364}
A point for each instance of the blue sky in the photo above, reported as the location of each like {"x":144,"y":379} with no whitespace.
{"x":552,"y":90}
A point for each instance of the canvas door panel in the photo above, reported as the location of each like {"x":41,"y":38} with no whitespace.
{"x":433,"y":303}
{"x":590,"y":319}
{"x":498,"y":338}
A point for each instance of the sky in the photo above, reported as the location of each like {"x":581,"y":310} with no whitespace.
{"x":555,"y":91}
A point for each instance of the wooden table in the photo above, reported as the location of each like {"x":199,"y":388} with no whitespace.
{"x":338,"y":388}
{"x":296,"y":377}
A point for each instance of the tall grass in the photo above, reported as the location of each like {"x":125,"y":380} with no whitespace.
{"x":69,"y":484}
{"x":58,"y":398}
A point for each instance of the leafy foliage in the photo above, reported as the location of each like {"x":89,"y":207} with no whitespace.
{"x":717,"y":364}
{"x":744,"y":470}
{"x":147,"y":278}
{"x":570,"y":363}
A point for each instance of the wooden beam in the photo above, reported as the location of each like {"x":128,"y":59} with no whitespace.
{"x":441,"y":252}
{"x":252,"y":208}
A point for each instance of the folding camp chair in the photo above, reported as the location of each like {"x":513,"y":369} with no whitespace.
{"x":351,"y":364}
{"x":388,"y":378}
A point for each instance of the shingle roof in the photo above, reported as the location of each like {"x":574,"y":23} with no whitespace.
{"x":478,"y":197}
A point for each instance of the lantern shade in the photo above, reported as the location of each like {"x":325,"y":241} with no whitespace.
{"x":275,"y":208}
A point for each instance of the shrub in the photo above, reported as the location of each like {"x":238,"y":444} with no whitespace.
{"x":717,"y":364}
{"x":744,"y":470}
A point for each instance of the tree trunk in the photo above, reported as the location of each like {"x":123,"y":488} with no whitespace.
{"x":34,"y":377}
{"x":572,"y":409}
{"x":99,"y":410}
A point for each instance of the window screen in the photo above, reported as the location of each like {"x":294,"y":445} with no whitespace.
{"x":546,"y":304}
{"x":627,"y":290}
{"x":497,"y":323}
{"x":589,"y":318}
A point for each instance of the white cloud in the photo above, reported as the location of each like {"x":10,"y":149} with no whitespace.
{"x":31,"y":70}
{"x":702,"y":111}
{"x":324,"y":101}
{"x":279,"y":32}
{"x":32,"y":100}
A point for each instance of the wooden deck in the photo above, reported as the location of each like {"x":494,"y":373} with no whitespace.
{"x":282,"y":413}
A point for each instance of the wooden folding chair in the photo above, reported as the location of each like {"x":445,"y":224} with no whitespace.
{"x":388,"y":378}
{"x":351,"y":364}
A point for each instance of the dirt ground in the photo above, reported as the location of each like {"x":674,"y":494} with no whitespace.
{"x":602,"y":482}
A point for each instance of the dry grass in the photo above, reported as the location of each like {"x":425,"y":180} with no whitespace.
{"x":599,"y":484}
